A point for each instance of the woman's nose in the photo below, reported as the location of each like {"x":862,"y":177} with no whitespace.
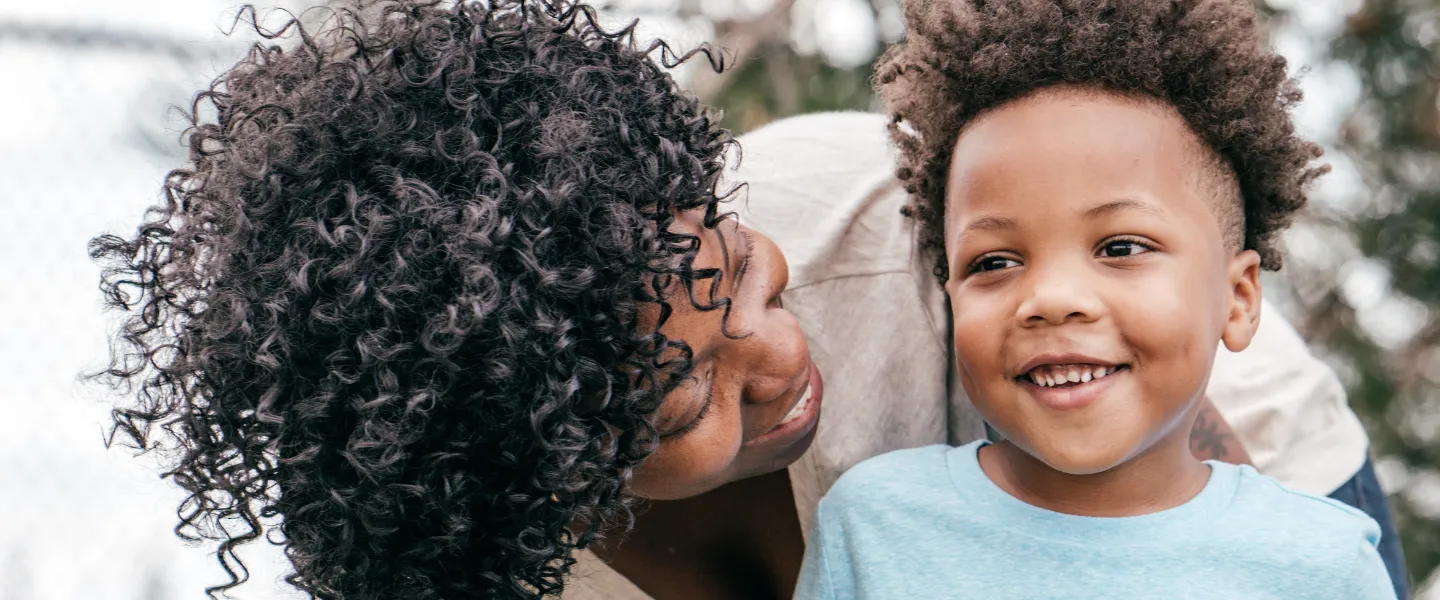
{"x":777,"y":269}
{"x":778,"y":361}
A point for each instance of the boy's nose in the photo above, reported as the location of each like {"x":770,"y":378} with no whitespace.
{"x":1057,"y":295}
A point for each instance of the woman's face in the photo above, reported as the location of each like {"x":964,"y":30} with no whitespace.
{"x":754,"y":397}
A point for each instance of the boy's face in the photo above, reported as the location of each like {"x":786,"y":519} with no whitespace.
{"x":1082,"y":245}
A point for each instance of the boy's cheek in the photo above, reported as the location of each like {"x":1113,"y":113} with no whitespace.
{"x":977,"y":349}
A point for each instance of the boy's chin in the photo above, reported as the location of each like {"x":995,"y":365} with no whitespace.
{"x":1083,"y":467}
{"x":1081,"y":458}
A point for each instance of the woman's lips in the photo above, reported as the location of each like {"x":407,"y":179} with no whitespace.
{"x":803,"y":414}
{"x":800,"y":406}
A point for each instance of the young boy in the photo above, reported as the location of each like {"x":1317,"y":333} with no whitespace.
{"x":1102,"y":182}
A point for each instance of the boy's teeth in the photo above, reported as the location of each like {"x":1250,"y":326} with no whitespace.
{"x":1053,"y":375}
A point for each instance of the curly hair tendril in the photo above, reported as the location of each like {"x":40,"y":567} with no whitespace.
{"x":1205,"y":58}
{"x":391,"y":314}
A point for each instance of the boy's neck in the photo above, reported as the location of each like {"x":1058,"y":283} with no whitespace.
{"x":1163,"y":477}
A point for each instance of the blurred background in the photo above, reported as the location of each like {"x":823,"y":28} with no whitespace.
{"x":88,"y":129}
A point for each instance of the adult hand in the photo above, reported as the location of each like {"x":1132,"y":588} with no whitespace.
{"x":1213,"y":439}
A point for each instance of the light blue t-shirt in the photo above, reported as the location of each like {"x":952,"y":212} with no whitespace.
{"x":928,"y":523}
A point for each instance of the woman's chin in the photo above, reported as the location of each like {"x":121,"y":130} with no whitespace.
{"x":702,"y":467}
{"x":749,"y":462}
{"x":769,"y":460}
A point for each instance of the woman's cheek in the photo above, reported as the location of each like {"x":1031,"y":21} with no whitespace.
{"x":694,"y":463}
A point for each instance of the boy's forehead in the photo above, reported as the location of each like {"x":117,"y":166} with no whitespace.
{"x":1111,"y":125}
{"x":1085,"y":146}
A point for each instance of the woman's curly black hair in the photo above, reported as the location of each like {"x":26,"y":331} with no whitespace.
{"x":401,"y":310}
{"x":961,"y":58}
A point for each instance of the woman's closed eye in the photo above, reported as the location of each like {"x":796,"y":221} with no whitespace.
{"x":700,"y":416}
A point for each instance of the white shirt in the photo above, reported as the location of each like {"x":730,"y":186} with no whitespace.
{"x":822,"y":186}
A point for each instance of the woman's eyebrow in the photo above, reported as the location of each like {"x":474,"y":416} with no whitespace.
{"x":727,"y":256}
{"x":746,"y":244}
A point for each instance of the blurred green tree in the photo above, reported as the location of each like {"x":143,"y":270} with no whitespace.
{"x":1393,"y":139}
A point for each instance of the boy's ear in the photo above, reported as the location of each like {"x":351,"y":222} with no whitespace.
{"x":1242,"y":317}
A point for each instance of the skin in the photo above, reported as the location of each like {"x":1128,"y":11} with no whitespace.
{"x":750,"y":378}
{"x":721,"y":520}
{"x":729,"y":464}
{"x":1212,"y":438}
{"x":1077,"y":224}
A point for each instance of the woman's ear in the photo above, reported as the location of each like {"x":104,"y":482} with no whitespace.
{"x":1242,"y":316}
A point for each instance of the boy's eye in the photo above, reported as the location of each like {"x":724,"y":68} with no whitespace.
{"x":1123,"y":248}
{"x":993,"y":263}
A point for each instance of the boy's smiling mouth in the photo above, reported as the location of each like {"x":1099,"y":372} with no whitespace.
{"x":1068,"y":375}
{"x":1067,"y":370}
{"x":1070,"y":381}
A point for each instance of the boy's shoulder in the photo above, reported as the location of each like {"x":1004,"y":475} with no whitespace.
{"x":1300,"y":532}
{"x":1297,"y":538}
{"x":1260,"y":497}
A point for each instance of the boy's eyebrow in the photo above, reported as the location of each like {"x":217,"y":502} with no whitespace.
{"x":989,"y":224}
{"x":1109,"y":208}
{"x":1106,"y":209}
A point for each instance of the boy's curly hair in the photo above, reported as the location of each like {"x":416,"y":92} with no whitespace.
{"x":390,"y":314}
{"x":1206,"y":58}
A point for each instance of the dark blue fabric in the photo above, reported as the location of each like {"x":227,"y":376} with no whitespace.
{"x":1363,"y":492}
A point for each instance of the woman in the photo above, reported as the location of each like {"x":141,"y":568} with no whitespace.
{"x":444,"y":290}
{"x":435,"y":282}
